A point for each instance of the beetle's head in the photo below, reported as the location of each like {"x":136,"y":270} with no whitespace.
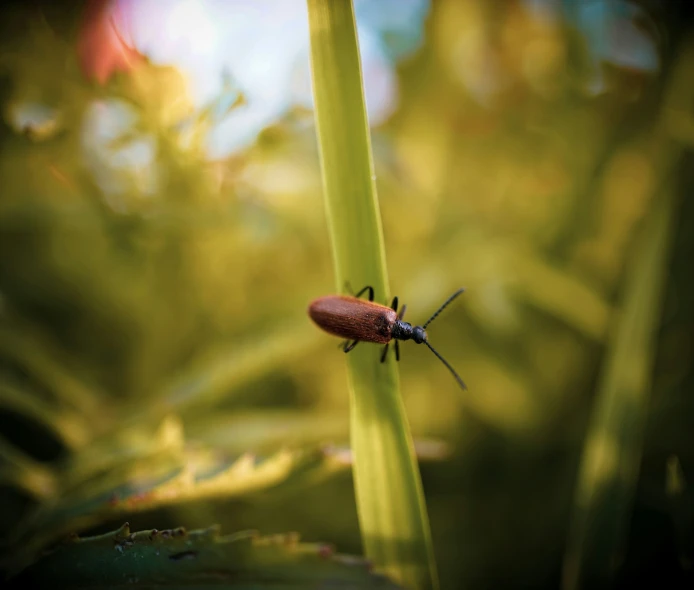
{"x":419,"y":334}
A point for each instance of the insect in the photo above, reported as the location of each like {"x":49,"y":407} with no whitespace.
{"x":359,"y":320}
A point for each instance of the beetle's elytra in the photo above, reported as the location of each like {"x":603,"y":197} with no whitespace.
{"x":354,"y":319}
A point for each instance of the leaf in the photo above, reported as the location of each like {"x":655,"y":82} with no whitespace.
{"x":177,"y":558}
{"x":36,"y":358}
{"x":217,"y":374}
{"x":679,"y":504}
{"x":21,"y":471}
{"x":612,"y":450}
{"x":239,"y":430}
{"x":390,"y":501}
{"x":162,"y":476}
{"x":556,"y":292}
{"x":70,"y":427}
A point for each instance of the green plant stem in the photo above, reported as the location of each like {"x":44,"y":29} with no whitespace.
{"x":390,"y":501}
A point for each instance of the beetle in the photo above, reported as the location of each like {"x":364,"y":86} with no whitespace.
{"x":359,"y":320}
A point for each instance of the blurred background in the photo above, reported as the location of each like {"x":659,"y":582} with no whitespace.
{"x":162,"y":231}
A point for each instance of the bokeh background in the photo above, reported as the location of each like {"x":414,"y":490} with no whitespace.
{"x":162,"y":231}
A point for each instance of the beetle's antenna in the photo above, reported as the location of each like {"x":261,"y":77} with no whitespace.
{"x":445,"y":362}
{"x":432,"y":318}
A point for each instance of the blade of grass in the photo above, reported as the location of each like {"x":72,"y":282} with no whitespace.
{"x":390,"y":500}
{"x":612,"y":452}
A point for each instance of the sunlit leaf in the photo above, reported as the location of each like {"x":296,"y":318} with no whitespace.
{"x":390,"y":500}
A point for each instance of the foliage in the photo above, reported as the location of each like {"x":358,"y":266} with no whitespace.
{"x":157,"y":364}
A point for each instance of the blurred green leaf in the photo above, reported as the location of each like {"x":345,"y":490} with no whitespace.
{"x":19,"y":470}
{"x":36,"y":358}
{"x":612,"y":451}
{"x":141,"y":478}
{"x":69,"y":426}
{"x":555,"y":292}
{"x":217,"y":374}
{"x":679,"y":503}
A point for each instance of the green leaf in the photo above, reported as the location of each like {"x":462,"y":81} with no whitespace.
{"x":390,"y":500}
{"x":22,"y":472}
{"x":68,"y":426}
{"x":612,"y":451}
{"x":177,"y":558}
{"x":37,"y":358}
{"x":161,"y":476}
{"x":215,"y":375}
{"x":556,"y":292}
{"x":680,"y":508}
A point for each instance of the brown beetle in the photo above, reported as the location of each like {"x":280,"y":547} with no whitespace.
{"x":359,"y":320}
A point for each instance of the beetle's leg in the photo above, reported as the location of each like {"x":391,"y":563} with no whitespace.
{"x":369,"y":289}
{"x":397,"y":350}
{"x":402,"y":312}
{"x":347,"y":346}
{"x":394,"y":305}
{"x":385,"y":353}
{"x":348,"y":288}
